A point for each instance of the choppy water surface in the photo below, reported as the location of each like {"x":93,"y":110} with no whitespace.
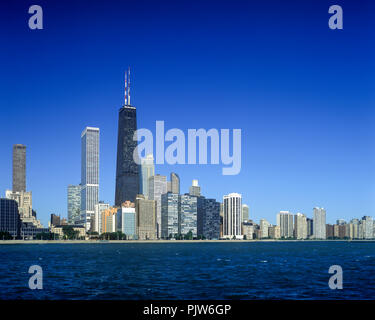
{"x":243,"y":270}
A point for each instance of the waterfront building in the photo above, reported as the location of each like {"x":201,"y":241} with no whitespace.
{"x":126,"y":221}
{"x":264,"y":225}
{"x":59,"y":231}
{"x":285,"y":222}
{"x":169,"y":215}
{"x":355,"y":223}
{"x":108,"y":220}
{"x":368,"y":227}
{"x":157,"y":186}
{"x":195,"y":189}
{"x":55,"y":220}
{"x":147,"y":171}
{"x":300,"y":226}
{"x":187,"y":221}
{"x":248,"y":230}
{"x":10,"y":220}
{"x":19,"y":168}
{"x":89,"y":175}
{"x":145,"y":218}
{"x":127,"y":170}
{"x":74,"y":203}
{"x":25,"y":204}
{"x":319,"y":223}
{"x":232,"y":216}
{"x":245,"y":212}
{"x":208,"y":220}
{"x":29,"y":231}
{"x":310,"y":227}
{"x":330,"y":231}
{"x":274,"y":232}
{"x":98,"y":222}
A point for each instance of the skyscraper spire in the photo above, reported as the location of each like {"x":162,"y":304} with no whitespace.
{"x":129,"y":85}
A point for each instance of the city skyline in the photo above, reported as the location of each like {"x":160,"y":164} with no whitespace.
{"x":307,"y":127}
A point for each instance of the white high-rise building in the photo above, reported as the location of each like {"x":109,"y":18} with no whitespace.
{"x":147,"y":171}
{"x":232,"y":222}
{"x":98,"y":223}
{"x":264,"y":225}
{"x":89,"y":174}
{"x":319,"y":223}
{"x":157,"y":186}
{"x":300,"y":226}
{"x":245,"y":212}
{"x":285,"y":222}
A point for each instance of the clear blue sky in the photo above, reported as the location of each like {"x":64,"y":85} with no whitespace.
{"x":302,"y":94}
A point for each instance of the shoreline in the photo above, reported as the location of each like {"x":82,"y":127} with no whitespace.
{"x":163,"y":241}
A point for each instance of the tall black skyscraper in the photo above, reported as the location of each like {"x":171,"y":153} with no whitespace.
{"x":127,"y":171}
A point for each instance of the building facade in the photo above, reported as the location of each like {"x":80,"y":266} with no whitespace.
{"x":195,"y":189}
{"x":19,"y":168}
{"x":98,"y":216}
{"x":208,"y":219}
{"x":147,"y":171}
{"x":285,"y":222}
{"x":89,"y":175}
{"x":232,"y":222}
{"x":245,"y":212}
{"x":188,"y":215}
{"x":157,"y":187}
{"x":169,"y":215}
{"x":300,"y":226}
{"x":74,"y":203}
{"x":145,"y":218}
{"x":319,"y":223}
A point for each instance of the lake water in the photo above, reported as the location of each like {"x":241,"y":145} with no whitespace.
{"x":233,"y":270}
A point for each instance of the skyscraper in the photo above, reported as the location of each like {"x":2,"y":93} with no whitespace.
{"x":195,"y":189}
{"x":263,"y":226}
{"x":89,"y":174}
{"x":285,"y":221}
{"x":300,"y":226}
{"x":19,"y":168}
{"x":187,"y":221}
{"x":169,"y":215}
{"x":74,"y":203}
{"x":145,"y":218}
{"x":9,"y":217}
{"x":232,"y":216}
{"x":245,"y":212}
{"x":147,"y":171}
{"x":157,"y":186}
{"x":127,"y":171}
{"x":208,"y":221}
{"x":319,"y":223}
{"x":174,"y":183}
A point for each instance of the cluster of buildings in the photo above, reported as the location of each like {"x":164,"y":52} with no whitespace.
{"x":149,"y":206}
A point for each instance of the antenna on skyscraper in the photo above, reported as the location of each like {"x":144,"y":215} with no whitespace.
{"x":129,"y":85}
{"x":126,"y":89}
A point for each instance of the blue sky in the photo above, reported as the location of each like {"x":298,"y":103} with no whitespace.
{"x":302,"y":94}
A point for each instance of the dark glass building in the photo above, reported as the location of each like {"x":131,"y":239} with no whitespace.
{"x":127,"y":171}
{"x":208,"y":222}
{"x":10,"y":220}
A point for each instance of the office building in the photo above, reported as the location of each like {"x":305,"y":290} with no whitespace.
{"x":319,"y":223}
{"x":127,"y":170}
{"x":263,"y":226}
{"x":9,"y":217}
{"x":169,"y":215}
{"x":232,"y":222}
{"x":74,"y":203}
{"x":157,"y":186}
{"x":208,"y":219}
{"x":368,"y":227}
{"x":145,"y":218}
{"x":125,"y":220}
{"x":147,"y":171}
{"x":188,"y":214}
{"x":89,"y":175}
{"x":108,"y":220}
{"x":19,"y":168}
{"x":174,"y":183}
